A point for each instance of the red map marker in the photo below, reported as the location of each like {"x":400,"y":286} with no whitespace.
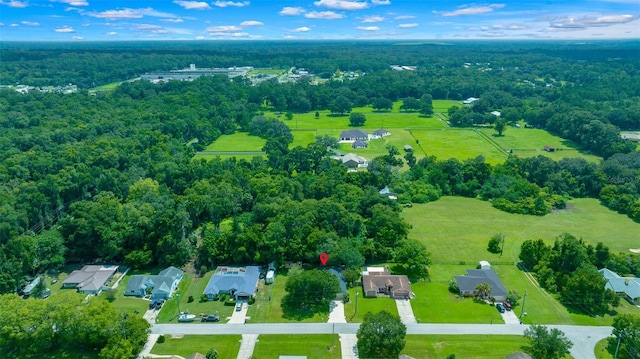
{"x":324,"y":258}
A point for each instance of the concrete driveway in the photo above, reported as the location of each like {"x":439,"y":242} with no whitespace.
{"x":336,"y":314}
{"x":510,"y":317}
{"x":239,"y":316}
{"x":349,"y":346}
{"x":405,"y":311}
{"x":247,"y":344}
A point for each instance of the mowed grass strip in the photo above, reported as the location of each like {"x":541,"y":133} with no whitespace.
{"x":463,"y":346}
{"x":458,"y":229}
{"x":458,"y":143}
{"x":366,"y":305}
{"x":227,"y":346}
{"x":312,"y":346}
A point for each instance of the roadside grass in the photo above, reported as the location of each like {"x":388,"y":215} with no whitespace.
{"x":530,"y":142}
{"x":267,"y":307}
{"x":463,"y":226}
{"x":463,"y":346}
{"x":602,"y":350}
{"x":365,"y":305}
{"x":458,"y":143}
{"x":227,"y":346}
{"x":193,"y":286}
{"x":312,"y":346}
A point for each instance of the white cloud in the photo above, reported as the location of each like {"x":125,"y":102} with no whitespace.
{"x":404,"y":17}
{"x":251,"y":23}
{"x":381,"y":2}
{"x":373,"y":18}
{"x":157,"y":29}
{"x":77,"y":37}
{"x":1,"y":24}
{"x":65,"y":29}
{"x":193,"y":5}
{"x":223,"y":28}
{"x":301,"y":29}
{"x":326,"y":15}
{"x":291,"y":11}
{"x":408,"y":26}
{"x":342,"y":4}
{"x":498,"y":27}
{"x":72,"y":2}
{"x":200,"y":37}
{"x":591,"y":21}
{"x":30,"y":23}
{"x":230,"y":34}
{"x":14,"y":25}
{"x":15,"y":3}
{"x":178,"y":20}
{"x":111,"y":33}
{"x":128,"y":13}
{"x":472,"y":10}
{"x":368,"y":28}
{"x":231,"y":3}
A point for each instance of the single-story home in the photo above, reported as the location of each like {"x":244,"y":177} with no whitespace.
{"x":496,"y":113}
{"x":26,"y":291}
{"x":549,"y":149}
{"x":631,"y":136}
{"x":91,"y":279}
{"x":626,"y":287}
{"x":359,"y":144}
{"x":470,"y":100}
{"x":160,"y":286}
{"x":377,"y":134}
{"x":239,"y":282}
{"x":352,"y":160}
{"x":378,"y":281}
{"x":354,"y":135}
{"x":468,"y":283}
{"x":386,"y":192}
{"x":408,"y":148}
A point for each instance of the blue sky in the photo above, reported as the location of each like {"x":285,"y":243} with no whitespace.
{"x":66,"y":20}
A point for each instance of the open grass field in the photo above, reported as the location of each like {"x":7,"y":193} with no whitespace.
{"x":311,"y":346}
{"x":463,"y":346}
{"x":226,"y":345}
{"x":365,"y":305}
{"x":530,"y":142}
{"x":239,"y":141}
{"x":460,"y":143}
{"x":267,"y":309}
{"x":108,"y":87}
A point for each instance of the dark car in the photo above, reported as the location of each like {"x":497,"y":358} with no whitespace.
{"x":500,"y":307}
{"x":210,"y":318}
{"x":507,"y":305}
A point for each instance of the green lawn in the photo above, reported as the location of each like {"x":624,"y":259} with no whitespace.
{"x":303,"y":138}
{"x":458,"y":143}
{"x":529,"y":142}
{"x":239,"y":141}
{"x":365,"y":305}
{"x":128,"y":305}
{"x":602,"y":351}
{"x":226,"y":345}
{"x":267,"y":309}
{"x":463,"y":346}
{"x":311,"y":346}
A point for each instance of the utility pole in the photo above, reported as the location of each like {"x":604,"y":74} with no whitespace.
{"x":615,"y":356}
{"x":333,"y":331}
{"x":356,"y":303}
{"x":502,"y":250}
{"x":524,"y":298}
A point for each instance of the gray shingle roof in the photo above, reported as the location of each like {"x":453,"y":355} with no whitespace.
{"x":478,"y":276}
{"x":627,"y":285}
{"x":240,"y":279}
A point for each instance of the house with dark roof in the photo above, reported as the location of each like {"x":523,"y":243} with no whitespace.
{"x":239,"y":282}
{"x":91,"y":279}
{"x":352,"y":160}
{"x":359,"y":144}
{"x":377,"y":134}
{"x":353,"y":135}
{"x":468,"y":283}
{"x":626,"y":287}
{"x":160,"y":286}
{"x":378,"y":281}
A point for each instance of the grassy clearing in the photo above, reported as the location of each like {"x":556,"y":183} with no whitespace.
{"x":303,"y":138}
{"x":365,"y":305}
{"x":463,"y":346}
{"x":267,"y":307}
{"x":530,"y":142}
{"x":226,"y":345}
{"x":458,"y":143}
{"x":313,"y":346}
{"x":108,"y":87}
{"x":239,"y":141}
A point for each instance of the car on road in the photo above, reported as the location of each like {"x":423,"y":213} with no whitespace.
{"x":238,"y":307}
{"x":500,"y":307}
{"x":210,"y":318}
{"x":507,"y":305}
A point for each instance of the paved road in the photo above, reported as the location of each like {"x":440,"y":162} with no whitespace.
{"x":584,"y":338}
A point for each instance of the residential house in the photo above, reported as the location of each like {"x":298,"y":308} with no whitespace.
{"x":386,"y":192}
{"x":470,"y":100}
{"x":359,"y":144}
{"x":408,"y":148}
{"x":378,"y":134}
{"x":353,"y":135}
{"x":352,"y":160}
{"x":496,"y":113}
{"x":631,"y":136}
{"x":239,"y":282}
{"x":549,"y":149}
{"x":160,"y":286}
{"x":468,"y":283}
{"x":378,"y":281}
{"x":626,"y":287}
{"x":91,"y":279}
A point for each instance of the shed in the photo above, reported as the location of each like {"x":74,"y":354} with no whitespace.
{"x":408,"y":148}
{"x":484,"y":265}
{"x":549,"y":149}
{"x":270,"y":276}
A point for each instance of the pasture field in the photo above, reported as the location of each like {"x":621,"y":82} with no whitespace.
{"x":239,"y":141}
{"x":464,"y":226}
{"x":458,"y":143}
{"x":530,"y":142}
{"x":463,"y":346}
{"x":226,"y":345}
{"x":272,"y":346}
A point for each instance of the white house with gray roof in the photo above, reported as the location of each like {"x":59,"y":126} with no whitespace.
{"x":626,"y":287}
{"x":160,"y":286}
{"x":239,"y":282}
{"x":91,"y":279}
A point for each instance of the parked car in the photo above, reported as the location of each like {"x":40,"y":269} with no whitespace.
{"x":238,"y":307}
{"x":507,"y":305}
{"x":500,"y":307}
{"x":210,"y":318}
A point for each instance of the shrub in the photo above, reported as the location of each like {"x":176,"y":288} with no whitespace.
{"x":190,"y":299}
{"x":252,"y":300}
{"x":453,"y":287}
{"x":230,"y":302}
{"x":161,"y":339}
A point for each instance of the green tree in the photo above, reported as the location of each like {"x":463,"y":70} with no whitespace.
{"x":381,"y":103}
{"x":545,"y":343}
{"x":340,"y":105}
{"x":532,"y":252}
{"x":412,"y":258}
{"x":483,"y":290}
{"x":626,"y":331}
{"x":381,"y":335}
{"x":495,"y":243}
{"x":500,"y":126}
{"x":310,"y":290}
{"x":410,"y":104}
{"x":585,"y":291}
{"x":357,"y":119}
{"x":212,"y":354}
{"x":426,"y":105}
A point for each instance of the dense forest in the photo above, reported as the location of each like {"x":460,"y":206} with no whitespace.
{"x":111,"y":177}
